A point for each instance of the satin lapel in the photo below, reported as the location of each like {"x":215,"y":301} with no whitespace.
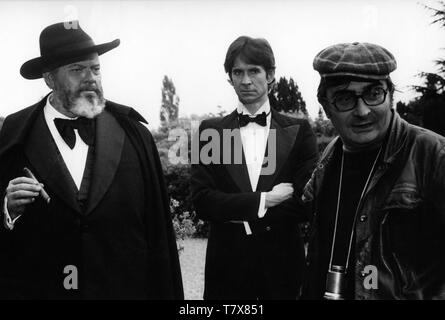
{"x":238,"y":171}
{"x":109,"y":143}
{"x":277,"y":152}
{"x":48,"y":164}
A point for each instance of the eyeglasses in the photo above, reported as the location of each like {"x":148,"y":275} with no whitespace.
{"x":346,"y":100}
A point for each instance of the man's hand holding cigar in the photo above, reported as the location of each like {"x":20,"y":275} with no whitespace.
{"x":20,"y":192}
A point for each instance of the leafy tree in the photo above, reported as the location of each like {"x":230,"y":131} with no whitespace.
{"x":323,"y":126}
{"x":170,"y":103}
{"x":428,"y":110}
{"x":286,"y":97}
{"x":438,"y":14}
{"x":411,"y":112}
{"x":324,"y":130}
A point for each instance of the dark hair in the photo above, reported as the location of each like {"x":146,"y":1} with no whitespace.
{"x":252,"y":51}
{"x":328,"y":82}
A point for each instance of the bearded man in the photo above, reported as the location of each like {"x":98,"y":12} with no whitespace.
{"x":85,"y":208}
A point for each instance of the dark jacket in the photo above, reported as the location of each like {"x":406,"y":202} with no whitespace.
{"x":121,"y":243}
{"x":267,"y":264}
{"x":400,"y":226}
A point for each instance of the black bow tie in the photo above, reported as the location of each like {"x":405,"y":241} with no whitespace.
{"x":244,"y":119}
{"x":85,"y":127}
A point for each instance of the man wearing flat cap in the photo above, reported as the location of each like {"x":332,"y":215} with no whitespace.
{"x":377,"y":193}
{"x":84,"y":206}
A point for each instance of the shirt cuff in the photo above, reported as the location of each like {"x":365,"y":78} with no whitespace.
{"x":261,"y":212}
{"x":262,"y":207}
{"x":8,"y":222}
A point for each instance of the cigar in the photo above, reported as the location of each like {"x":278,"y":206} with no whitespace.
{"x":43,"y":193}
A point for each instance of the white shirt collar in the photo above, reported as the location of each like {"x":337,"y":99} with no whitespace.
{"x":75,"y":159}
{"x":243,"y":110}
{"x":51,"y":113}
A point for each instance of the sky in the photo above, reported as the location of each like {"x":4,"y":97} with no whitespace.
{"x":187,"y":41}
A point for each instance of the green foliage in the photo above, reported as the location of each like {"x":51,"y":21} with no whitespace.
{"x":323,"y":126}
{"x":411,"y":112}
{"x":182,"y":223}
{"x":177,"y":176}
{"x":324,"y":130}
{"x":428,"y":109}
{"x":285,"y":96}
{"x":170,"y":103}
{"x":438,"y":14}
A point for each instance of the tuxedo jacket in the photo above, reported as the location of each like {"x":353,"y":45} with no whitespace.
{"x":270,"y":261}
{"x":121,"y":243}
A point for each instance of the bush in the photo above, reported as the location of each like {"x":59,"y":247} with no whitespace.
{"x":177,"y":179}
{"x":182,"y":224}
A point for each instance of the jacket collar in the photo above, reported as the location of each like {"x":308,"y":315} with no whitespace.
{"x":16,"y":135}
{"x":397,"y":137}
{"x":47,"y":163}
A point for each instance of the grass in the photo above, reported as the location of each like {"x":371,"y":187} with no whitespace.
{"x":192,"y":259}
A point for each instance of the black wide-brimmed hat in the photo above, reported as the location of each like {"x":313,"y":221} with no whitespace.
{"x":61,"y":44}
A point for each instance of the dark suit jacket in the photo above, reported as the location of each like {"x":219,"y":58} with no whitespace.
{"x":122,"y":244}
{"x":267,"y":264}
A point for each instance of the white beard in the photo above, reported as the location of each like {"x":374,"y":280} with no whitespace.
{"x":88,"y":107}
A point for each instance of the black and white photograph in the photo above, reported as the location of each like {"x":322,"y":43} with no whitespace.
{"x":242,"y":151}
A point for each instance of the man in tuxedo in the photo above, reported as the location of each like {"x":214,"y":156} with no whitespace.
{"x":248,"y":189}
{"x":91,"y":220}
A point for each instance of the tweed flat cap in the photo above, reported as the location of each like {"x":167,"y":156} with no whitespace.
{"x":364,"y":60}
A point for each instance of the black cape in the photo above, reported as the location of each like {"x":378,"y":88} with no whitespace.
{"x":164,"y":274}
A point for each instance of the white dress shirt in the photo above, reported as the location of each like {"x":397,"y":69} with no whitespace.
{"x":75,"y":159}
{"x":254,"y":140}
